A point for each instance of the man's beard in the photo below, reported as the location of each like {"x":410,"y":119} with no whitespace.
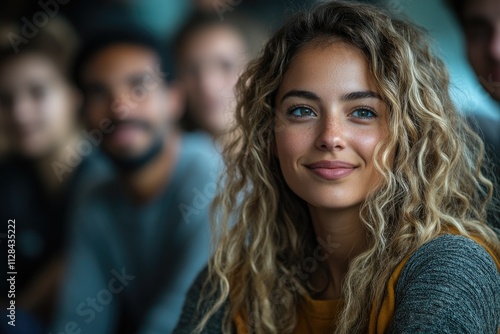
{"x":128,"y":164}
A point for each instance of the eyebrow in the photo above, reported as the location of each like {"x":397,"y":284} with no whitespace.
{"x":360,"y":95}
{"x":345,"y":97}
{"x":301,"y":93}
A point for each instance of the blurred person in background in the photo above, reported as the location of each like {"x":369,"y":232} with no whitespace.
{"x":142,"y":237}
{"x":210,"y":55}
{"x":480,"y":21}
{"x":42,"y":173}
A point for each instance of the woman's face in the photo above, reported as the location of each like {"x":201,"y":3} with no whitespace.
{"x":329,"y":119}
{"x":210,"y":63}
{"x":37,"y":107}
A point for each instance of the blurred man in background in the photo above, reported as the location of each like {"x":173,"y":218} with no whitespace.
{"x":210,"y":56}
{"x":480,"y":21}
{"x":42,"y":174}
{"x":141,"y":238}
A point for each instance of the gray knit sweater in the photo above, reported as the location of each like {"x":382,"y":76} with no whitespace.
{"x":450,"y":285}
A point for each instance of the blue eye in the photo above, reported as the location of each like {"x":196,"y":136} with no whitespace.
{"x":364,"y":113}
{"x":301,"y":112}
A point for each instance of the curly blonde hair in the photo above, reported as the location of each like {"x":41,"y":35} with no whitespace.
{"x":263,"y":230}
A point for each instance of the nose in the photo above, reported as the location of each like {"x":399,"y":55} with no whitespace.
{"x":331,"y":136}
{"x":121,"y":104}
{"x":495,"y":44}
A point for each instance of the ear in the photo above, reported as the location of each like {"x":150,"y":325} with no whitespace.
{"x":175,"y":101}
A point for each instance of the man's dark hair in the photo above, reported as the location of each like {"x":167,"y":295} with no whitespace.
{"x":103,"y":40}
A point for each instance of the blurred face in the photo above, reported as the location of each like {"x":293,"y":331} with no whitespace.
{"x":482,"y":31}
{"x":210,"y":63}
{"x":330,"y":118}
{"x":37,"y":106}
{"x":121,"y":85}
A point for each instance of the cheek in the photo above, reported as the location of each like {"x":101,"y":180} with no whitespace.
{"x":58,"y":108}
{"x":46,"y":114}
{"x":155,"y":108}
{"x":365,"y":145}
{"x":291,"y":144}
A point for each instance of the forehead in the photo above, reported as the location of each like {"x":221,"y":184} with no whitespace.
{"x":116,"y":62}
{"x":25,"y":69}
{"x":215,"y":37}
{"x":329,"y":68}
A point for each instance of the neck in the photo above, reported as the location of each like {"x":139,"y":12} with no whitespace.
{"x":147,"y":182}
{"x":343,"y":230}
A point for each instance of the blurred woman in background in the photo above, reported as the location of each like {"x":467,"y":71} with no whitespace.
{"x":48,"y":163}
{"x":356,"y":191}
{"x":210,"y":56}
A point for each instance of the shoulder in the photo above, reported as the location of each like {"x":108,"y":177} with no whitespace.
{"x":200,"y":162}
{"x":451,"y":260}
{"x":450,"y":284}
{"x":196,"y":306}
{"x":198,"y":144}
{"x":449,"y":252}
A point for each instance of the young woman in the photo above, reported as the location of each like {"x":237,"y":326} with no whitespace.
{"x":354,"y":188}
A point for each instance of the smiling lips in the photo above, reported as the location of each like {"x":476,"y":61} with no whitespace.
{"x":331,"y":170}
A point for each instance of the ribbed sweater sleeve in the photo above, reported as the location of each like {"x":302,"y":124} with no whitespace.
{"x":450,"y":285}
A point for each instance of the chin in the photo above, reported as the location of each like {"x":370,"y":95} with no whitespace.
{"x":335,"y":206}
{"x":131,"y":159}
{"x":123,"y":151}
{"x":334,"y":202}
